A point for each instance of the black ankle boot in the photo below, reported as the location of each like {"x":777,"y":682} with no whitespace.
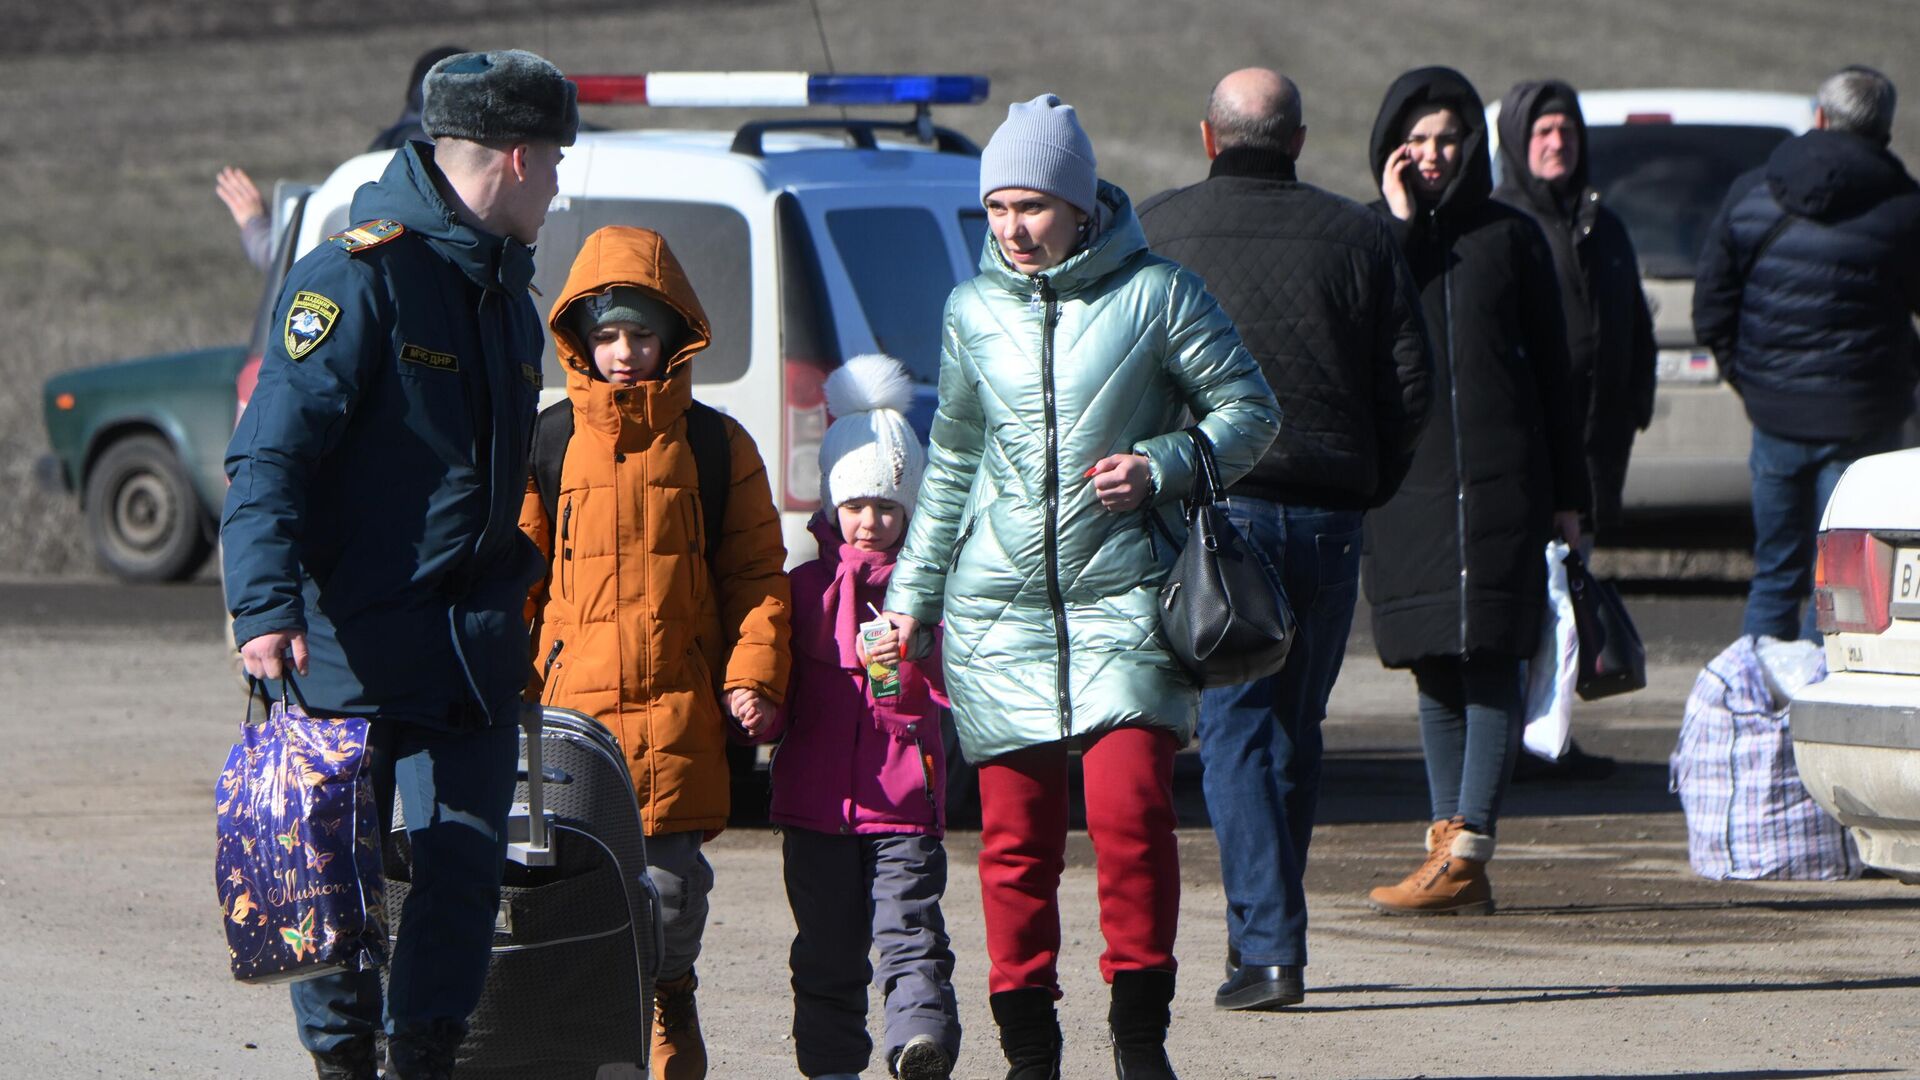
{"x":1029,"y":1032}
{"x":428,"y":1054}
{"x":350,"y":1061}
{"x":1138,"y":1019}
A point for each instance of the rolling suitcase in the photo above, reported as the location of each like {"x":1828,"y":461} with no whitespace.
{"x":576,"y":946}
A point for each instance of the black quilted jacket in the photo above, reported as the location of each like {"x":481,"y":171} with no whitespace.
{"x":1322,"y":298}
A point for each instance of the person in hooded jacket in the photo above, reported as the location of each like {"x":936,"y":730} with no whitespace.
{"x":1544,"y":171}
{"x":369,"y":524}
{"x":633,"y":625}
{"x":1806,"y":292}
{"x":1066,"y":366}
{"x":1455,"y":569}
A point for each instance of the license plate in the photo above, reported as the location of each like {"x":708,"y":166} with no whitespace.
{"x":1906,"y":584}
{"x":1689,"y":365}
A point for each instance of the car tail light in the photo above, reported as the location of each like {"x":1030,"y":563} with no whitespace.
{"x":1649,"y":118}
{"x":1852,"y":583}
{"x":243,"y":385}
{"x":803,"y":424}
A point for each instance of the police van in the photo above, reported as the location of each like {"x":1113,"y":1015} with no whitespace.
{"x":809,"y":240}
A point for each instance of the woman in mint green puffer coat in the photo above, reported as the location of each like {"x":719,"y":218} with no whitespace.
{"x":1069,"y":365}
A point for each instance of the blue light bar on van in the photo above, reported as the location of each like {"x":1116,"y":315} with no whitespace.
{"x":778,"y":89}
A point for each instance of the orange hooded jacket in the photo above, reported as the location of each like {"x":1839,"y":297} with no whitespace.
{"x":631,"y":626}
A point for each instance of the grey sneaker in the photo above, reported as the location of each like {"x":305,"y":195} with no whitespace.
{"x":922,"y":1059}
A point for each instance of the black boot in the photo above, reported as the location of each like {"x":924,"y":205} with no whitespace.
{"x":1029,"y":1032}
{"x":350,"y":1061}
{"x":1138,"y":1019}
{"x":425,"y":1055}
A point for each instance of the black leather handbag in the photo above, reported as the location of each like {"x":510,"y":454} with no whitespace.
{"x":1612,"y":658}
{"x":1226,"y":619}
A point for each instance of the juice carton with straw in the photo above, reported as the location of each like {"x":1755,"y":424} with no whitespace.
{"x":883,"y":672}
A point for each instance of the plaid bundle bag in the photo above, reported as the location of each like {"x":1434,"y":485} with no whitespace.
{"x":297,"y":864}
{"x":1748,"y":815}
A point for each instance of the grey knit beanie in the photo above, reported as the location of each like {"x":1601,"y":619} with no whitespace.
{"x":1041,"y":146}
{"x":508,"y":95}
{"x":624,"y":303}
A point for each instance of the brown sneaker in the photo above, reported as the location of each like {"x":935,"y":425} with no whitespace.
{"x":678,"y":1051}
{"x":1453,"y":880}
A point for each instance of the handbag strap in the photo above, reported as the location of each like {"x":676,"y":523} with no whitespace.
{"x":1207,"y":472}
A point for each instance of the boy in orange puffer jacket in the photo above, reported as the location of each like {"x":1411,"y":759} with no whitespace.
{"x":644,"y":622}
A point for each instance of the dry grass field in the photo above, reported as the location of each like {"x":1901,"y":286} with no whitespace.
{"x":115,"y":115}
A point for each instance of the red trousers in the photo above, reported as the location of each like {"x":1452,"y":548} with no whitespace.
{"x":1023,"y":839}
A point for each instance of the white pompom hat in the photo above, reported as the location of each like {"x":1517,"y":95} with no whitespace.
{"x":870,"y":451}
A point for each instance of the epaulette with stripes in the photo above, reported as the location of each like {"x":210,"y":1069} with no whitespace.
{"x":368,"y":236}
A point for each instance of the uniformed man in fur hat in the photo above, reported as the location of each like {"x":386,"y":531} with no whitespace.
{"x":370,"y":530}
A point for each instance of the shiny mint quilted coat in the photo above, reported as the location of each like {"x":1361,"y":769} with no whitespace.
{"x":1049,"y":600}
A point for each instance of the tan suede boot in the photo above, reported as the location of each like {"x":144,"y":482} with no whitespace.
{"x":679,"y":1053}
{"x":1453,"y":880}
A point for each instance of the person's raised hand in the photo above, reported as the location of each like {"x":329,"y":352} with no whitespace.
{"x":1393,"y":183}
{"x":1121,"y":481}
{"x":261,"y":656}
{"x":237,"y":190}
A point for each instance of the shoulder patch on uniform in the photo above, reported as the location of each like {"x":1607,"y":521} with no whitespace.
{"x":438,"y":361}
{"x":370,"y":235}
{"x":309,"y":318}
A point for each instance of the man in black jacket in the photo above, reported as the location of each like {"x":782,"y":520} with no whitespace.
{"x":1543,"y":163}
{"x":1323,"y":299}
{"x":1805,"y":292}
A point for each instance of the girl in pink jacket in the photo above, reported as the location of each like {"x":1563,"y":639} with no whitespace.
{"x":859,"y":780}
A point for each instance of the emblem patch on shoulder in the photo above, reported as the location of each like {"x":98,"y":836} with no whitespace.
{"x":309,"y":319}
{"x":532,"y":375}
{"x":438,"y":361}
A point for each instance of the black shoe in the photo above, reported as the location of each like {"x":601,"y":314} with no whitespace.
{"x":1029,"y":1032}
{"x":1138,"y":1019}
{"x":1575,"y":764}
{"x":351,"y":1061}
{"x":1261,"y":987}
{"x":426,"y":1055}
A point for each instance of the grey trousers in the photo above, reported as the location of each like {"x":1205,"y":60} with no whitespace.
{"x":683,"y":877}
{"x":854,"y":893}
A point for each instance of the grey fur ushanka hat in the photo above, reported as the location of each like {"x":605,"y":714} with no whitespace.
{"x":508,"y":95}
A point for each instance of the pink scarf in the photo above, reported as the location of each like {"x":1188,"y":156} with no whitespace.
{"x":859,"y":578}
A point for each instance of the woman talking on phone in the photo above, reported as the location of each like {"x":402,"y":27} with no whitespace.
{"x":1066,"y":366}
{"x":1455,"y":567}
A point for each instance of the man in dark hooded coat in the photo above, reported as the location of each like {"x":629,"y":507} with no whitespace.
{"x":1455,"y":566}
{"x":1806,"y":292}
{"x":1543,"y":166}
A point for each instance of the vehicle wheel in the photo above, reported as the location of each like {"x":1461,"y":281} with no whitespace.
{"x":142,"y":514}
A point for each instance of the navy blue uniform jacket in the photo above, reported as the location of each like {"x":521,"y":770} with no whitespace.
{"x":377,"y":475}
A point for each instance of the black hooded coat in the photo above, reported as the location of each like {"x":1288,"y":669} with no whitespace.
{"x":1609,"y":329}
{"x":1455,"y":561}
{"x":1808,"y":285}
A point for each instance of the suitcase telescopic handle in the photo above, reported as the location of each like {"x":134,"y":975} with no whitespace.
{"x":537,"y":848}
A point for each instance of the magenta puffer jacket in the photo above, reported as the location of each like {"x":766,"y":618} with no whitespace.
{"x":848,"y":764}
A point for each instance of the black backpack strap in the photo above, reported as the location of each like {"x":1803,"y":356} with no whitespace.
{"x":552,"y":430}
{"x":713,"y":458}
{"x":1787,"y":218}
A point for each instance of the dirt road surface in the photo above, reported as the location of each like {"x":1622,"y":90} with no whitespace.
{"x":1608,"y":957}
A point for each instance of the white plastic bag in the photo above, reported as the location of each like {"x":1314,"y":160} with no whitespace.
{"x":1555,"y":667}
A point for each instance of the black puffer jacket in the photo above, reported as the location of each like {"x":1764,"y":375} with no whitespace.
{"x":1816,"y":334}
{"x":1322,"y":298}
{"x":1456,"y":561}
{"x":1609,"y":329}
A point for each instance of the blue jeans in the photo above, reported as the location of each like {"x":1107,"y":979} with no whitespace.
{"x":455,"y":790}
{"x":1472,"y":712}
{"x":1260,"y":741}
{"x":1792,"y":481}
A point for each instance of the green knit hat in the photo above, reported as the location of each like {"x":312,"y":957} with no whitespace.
{"x":625,"y":303}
